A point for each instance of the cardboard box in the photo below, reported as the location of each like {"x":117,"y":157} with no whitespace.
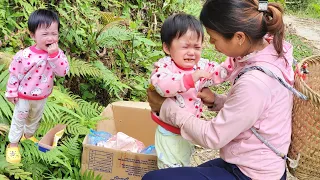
{"x":45,"y":144}
{"x":133,"y":119}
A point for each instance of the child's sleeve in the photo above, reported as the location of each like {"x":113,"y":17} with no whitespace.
{"x":59,"y":63}
{"x":220,"y":72}
{"x":16,"y":74}
{"x":167,"y":83}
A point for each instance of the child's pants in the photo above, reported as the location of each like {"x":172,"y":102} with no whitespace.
{"x":25,"y":118}
{"x":172,"y":150}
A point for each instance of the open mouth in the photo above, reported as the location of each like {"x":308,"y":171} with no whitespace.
{"x":189,"y":60}
{"x":48,"y":45}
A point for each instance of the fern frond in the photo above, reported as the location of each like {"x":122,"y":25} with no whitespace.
{"x":3,"y":177}
{"x":3,"y":77}
{"x":54,"y":157}
{"x":89,"y":175}
{"x":74,"y":125}
{"x":13,"y":169}
{"x":91,"y":109}
{"x":5,"y":59}
{"x":45,"y":126}
{"x":111,"y":82}
{"x":37,"y":169}
{"x":113,"y":37}
{"x":72,"y":149}
{"x":3,"y":128}
{"x":64,"y":98}
{"x":6,"y":107}
{"x":83,"y":69}
{"x":109,"y":18}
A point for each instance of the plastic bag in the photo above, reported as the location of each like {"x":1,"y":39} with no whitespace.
{"x":123,"y":142}
{"x":149,"y":150}
{"x":97,"y":136}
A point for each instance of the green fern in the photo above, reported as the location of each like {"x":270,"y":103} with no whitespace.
{"x":13,"y":170}
{"x":91,"y":109}
{"x":83,"y":69}
{"x":113,"y":37}
{"x":89,"y":175}
{"x":109,"y":19}
{"x":111,"y":82}
{"x":6,"y":107}
{"x":36,"y":169}
{"x":63,"y":97}
{"x":3,"y":128}
{"x":54,"y":157}
{"x":3,"y":177}
{"x":72,"y":150}
{"x":5,"y":59}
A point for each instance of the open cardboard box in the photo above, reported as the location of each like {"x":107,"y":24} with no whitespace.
{"x":133,"y":119}
{"x":45,"y":144}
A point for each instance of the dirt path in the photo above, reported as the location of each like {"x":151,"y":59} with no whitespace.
{"x":307,"y":28}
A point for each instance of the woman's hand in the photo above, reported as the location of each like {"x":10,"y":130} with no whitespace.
{"x":154,"y":99}
{"x":207,"y":97}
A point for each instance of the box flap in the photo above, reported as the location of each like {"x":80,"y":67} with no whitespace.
{"x":107,"y":124}
{"x":47,"y":139}
{"x":134,"y":119}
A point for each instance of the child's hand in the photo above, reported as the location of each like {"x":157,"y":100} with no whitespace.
{"x":53,"y":48}
{"x":13,"y":100}
{"x":201,"y":74}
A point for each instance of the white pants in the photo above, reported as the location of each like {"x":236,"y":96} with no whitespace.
{"x":25,"y":119}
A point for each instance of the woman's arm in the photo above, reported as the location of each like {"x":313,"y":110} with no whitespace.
{"x":243,"y":107}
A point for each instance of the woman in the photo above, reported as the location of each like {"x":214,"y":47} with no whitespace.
{"x":251,"y":33}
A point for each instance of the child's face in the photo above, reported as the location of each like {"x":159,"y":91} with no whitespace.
{"x":186,"y":50}
{"x":44,"y":36}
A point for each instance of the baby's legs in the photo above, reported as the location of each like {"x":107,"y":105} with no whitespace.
{"x":36,"y":111}
{"x":20,"y":114}
{"x":172,"y":150}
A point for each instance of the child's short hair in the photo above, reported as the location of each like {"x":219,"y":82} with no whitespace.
{"x":42,"y":17}
{"x":177,"y":25}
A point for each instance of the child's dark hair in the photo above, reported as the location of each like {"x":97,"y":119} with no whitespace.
{"x":177,"y":25}
{"x":230,"y":16}
{"x":42,"y":17}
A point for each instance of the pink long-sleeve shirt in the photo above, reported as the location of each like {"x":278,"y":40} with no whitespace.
{"x":172,"y":81}
{"x":255,"y":100}
{"x":32,"y":72}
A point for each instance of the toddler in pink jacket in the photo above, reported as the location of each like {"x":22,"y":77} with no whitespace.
{"x":32,"y":71}
{"x":181,"y":75}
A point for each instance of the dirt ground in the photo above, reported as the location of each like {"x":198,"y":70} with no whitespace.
{"x":309,"y":29}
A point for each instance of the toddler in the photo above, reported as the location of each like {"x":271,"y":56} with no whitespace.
{"x":181,"y":75}
{"x":32,"y":71}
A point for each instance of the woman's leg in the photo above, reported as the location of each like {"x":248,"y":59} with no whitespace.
{"x":216,"y":169}
{"x":190,"y":173}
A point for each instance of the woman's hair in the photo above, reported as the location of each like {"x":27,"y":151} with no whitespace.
{"x":230,"y":16}
{"x":177,"y":25}
{"x":42,"y":17}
